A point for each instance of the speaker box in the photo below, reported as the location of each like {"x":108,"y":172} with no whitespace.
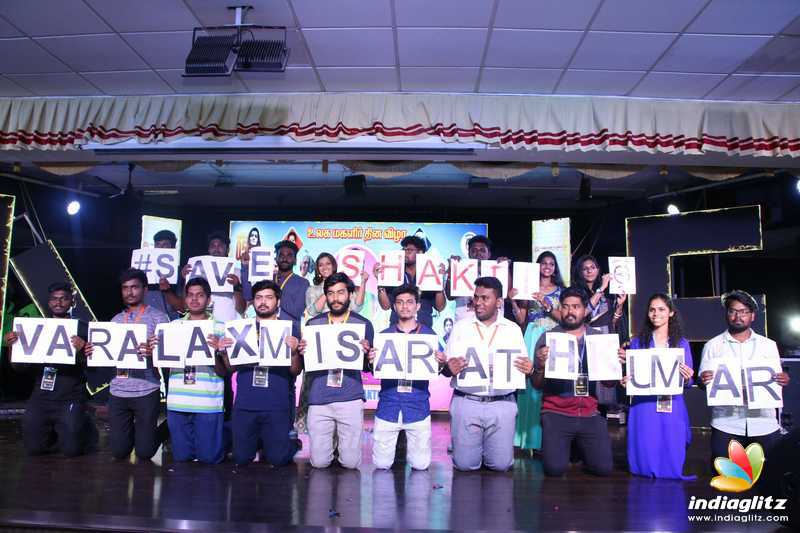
{"x":355,"y":185}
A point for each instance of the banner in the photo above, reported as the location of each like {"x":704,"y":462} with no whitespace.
{"x":495,"y":269}
{"x":404,"y":356}
{"x":563,"y":359}
{"x":262,"y":264}
{"x":184,"y":343}
{"x":244,"y":333}
{"x":725,"y":387}
{"x":623,"y":275}
{"x":272,"y":347}
{"x":602,"y":355}
{"x":654,"y":371}
{"x":215,"y":270}
{"x":463,"y":274}
{"x":351,"y":262}
{"x":552,"y":235}
{"x":526,"y":279}
{"x":116,"y":344}
{"x":157,"y":263}
{"x":392,"y":273}
{"x":763,"y":392}
{"x":334,"y":346}
{"x":44,"y":340}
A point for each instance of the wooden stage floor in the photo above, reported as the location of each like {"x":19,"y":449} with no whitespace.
{"x":94,"y":492}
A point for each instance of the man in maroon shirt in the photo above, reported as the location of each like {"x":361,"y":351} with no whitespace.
{"x":569,"y":408}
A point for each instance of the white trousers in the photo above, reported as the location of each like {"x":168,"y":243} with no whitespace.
{"x":418,"y":442}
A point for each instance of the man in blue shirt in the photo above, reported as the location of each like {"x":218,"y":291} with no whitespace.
{"x":336,"y":397}
{"x":404,"y":405}
{"x":429,"y":300}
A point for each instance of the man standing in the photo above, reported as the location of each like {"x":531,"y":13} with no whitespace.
{"x":196,"y":393}
{"x":293,"y":287}
{"x":336,"y":397}
{"x":569,"y":408}
{"x":57,"y":406}
{"x":404,"y":405}
{"x":226,"y":306}
{"x":135,"y":401}
{"x":482,"y":418}
{"x":742,"y":345}
{"x":264,"y":406}
{"x":163,"y":296}
{"x":429,"y":300}
{"x":478,"y":247}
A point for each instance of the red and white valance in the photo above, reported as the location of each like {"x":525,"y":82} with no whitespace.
{"x":563,"y":123}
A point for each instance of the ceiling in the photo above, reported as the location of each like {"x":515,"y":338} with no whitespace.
{"x":691,"y":49}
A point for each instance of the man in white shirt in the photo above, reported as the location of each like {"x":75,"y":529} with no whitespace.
{"x":483,"y":418}
{"x":742,"y":344}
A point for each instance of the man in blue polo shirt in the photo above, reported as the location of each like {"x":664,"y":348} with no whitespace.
{"x":404,"y":405}
{"x":264,"y":406}
{"x":336,"y":397}
{"x":428,"y":300}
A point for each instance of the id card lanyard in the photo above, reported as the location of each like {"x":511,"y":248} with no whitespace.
{"x":404,"y":386}
{"x":124,"y":372}
{"x":336,"y":376}
{"x":490,"y":388}
{"x":581,"y":385}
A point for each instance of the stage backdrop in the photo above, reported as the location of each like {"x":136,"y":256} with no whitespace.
{"x":312,"y":238}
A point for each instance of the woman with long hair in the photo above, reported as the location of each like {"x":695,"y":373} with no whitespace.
{"x":537,"y":316}
{"x":315,"y":295}
{"x":253,"y":238}
{"x":605,"y":310}
{"x":658,"y":426}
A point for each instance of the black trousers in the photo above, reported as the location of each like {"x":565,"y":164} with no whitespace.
{"x":589,"y":432}
{"x":65,"y":425}
{"x":720,"y":440}
{"x":133,"y":425}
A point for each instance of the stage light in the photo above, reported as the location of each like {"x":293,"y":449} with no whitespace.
{"x":73,"y":207}
{"x":797,"y":185}
{"x":794,"y":324}
{"x":672,"y":209}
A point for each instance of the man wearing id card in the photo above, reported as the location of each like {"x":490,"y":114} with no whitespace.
{"x":195,"y":399}
{"x":483,"y":418}
{"x":404,"y":405}
{"x":135,"y":401}
{"x":57,"y":406}
{"x":569,"y":407}
{"x":263,"y":408}
{"x":336,"y":397}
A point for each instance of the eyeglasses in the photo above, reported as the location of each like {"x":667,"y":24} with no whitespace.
{"x":738,"y":312}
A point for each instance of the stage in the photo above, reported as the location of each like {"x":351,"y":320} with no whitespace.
{"x":94,"y":492}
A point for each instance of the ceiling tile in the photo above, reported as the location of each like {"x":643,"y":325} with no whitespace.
{"x":129,"y":82}
{"x":93,"y":53}
{"x":793,"y":96}
{"x":366,"y":47}
{"x":519,"y":81}
{"x":598,"y":82}
{"x":744,"y":87}
{"x":443,"y":13}
{"x":793,"y":28}
{"x":448,"y":47}
{"x":7,"y":30}
{"x":145,"y":15}
{"x":676,"y":85}
{"x":161,"y":49}
{"x":24,"y":56}
{"x":69,"y":84}
{"x":264,"y":12}
{"x":621,"y":51}
{"x":636,"y":15}
{"x":9,"y":88}
{"x":780,"y":56}
{"x":545,"y":14}
{"x":298,"y":53}
{"x":343,"y":13}
{"x":746,"y":16}
{"x":367,"y":79}
{"x":215,"y":85}
{"x":52,"y":17}
{"x":531,"y":48}
{"x":709,"y":53}
{"x":295,"y":79}
{"x":444,"y":79}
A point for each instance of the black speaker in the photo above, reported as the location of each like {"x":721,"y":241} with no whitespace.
{"x":781,"y":475}
{"x":790,"y":414}
{"x":355,"y":185}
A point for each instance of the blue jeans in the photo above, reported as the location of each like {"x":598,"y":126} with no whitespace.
{"x":265,"y":428}
{"x":196,"y":436}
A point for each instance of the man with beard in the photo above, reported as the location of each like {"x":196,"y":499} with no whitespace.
{"x":336,"y":397}
{"x":226,"y":306}
{"x":56,"y":411}
{"x":429,"y":300}
{"x":264,"y":405}
{"x":162,"y":296}
{"x":482,"y":418}
{"x":569,"y":408}
{"x":135,"y":401}
{"x":742,"y":345}
{"x":478,"y":247}
{"x":195,"y":400}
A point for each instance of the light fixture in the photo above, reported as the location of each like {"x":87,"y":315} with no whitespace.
{"x":672,"y":209}
{"x":73,"y":207}
{"x":220,"y":50}
{"x":797,"y":185}
{"x":794,"y":323}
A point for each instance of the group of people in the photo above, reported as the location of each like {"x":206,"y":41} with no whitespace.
{"x":258,"y":417}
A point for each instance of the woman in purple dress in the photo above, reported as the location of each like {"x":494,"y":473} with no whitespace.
{"x":658,"y":426}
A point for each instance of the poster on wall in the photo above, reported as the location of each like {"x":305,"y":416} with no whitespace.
{"x":553,"y":236}
{"x":373,"y":239}
{"x":152,"y":225}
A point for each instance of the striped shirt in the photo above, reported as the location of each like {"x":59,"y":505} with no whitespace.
{"x":205,"y":395}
